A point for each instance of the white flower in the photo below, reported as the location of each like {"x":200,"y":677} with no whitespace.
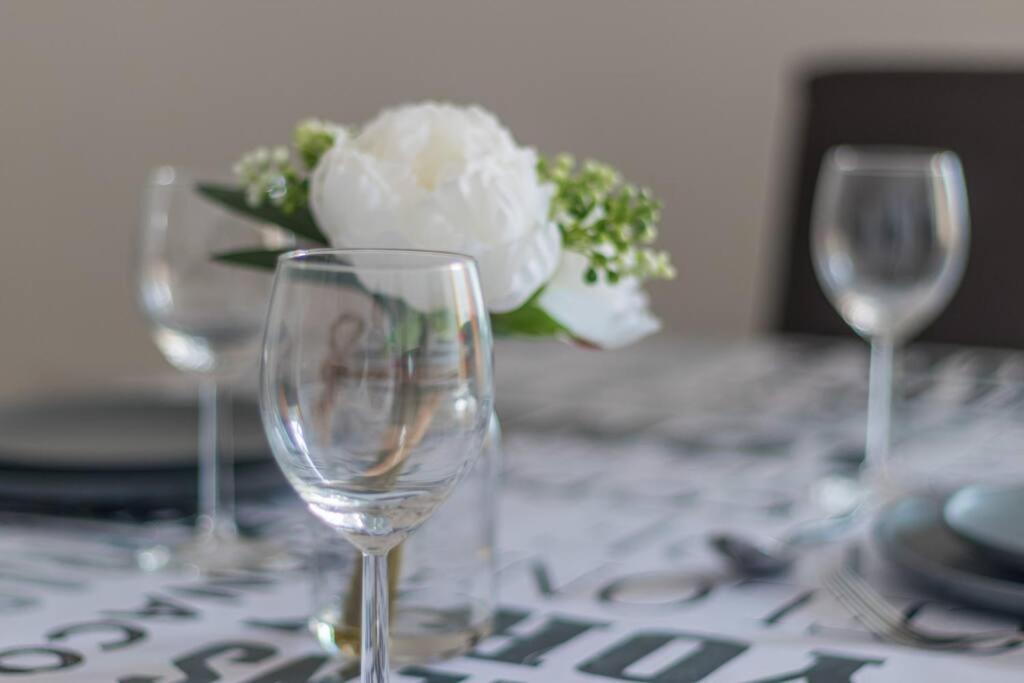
{"x":608,"y":316}
{"x":442,"y":177}
{"x":261,"y":173}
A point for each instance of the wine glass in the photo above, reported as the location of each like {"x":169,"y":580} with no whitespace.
{"x":376,"y":393}
{"x":206,"y":318}
{"x":889,"y":240}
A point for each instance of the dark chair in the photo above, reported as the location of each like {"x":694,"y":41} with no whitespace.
{"x":979,"y":115}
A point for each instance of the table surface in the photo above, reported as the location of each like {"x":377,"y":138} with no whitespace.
{"x":618,"y":466}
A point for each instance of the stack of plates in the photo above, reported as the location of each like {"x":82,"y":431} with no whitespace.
{"x":968,"y":546}
{"x":118,"y":453}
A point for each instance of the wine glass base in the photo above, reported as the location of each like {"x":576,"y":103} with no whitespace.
{"x":211,"y":554}
{"x":839,"y":495}
{"x":856,"y":494}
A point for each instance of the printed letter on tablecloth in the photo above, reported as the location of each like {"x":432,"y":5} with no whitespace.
{"x":711,"y":654}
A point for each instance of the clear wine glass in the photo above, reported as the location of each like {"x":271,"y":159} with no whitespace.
{"x":206,"y":318}
{"x":376,"y":393}
{"x":889,"y":241}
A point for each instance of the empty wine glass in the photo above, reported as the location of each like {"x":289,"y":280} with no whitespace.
{"x":207,"y":319}
{"x":889,"y":242}
{"x":376,"y":393}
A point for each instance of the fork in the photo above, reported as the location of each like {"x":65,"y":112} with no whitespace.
{"x":887,"y":622}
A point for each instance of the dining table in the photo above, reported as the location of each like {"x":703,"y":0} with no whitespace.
{"x":619,"y":469}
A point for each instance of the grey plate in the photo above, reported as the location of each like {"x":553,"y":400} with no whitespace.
{"x":115,"y":431}
{"x":913,"y":536}
{"x":989,"y":516}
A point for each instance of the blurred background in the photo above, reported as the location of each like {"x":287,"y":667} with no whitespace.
{"x":696,"y":99}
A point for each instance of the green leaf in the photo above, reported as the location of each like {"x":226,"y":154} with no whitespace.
{"x":299,"y":221}
{"x":407,"y":325}
{"x":262,"y":259}
{"x":266,"y":259}
{"x":529,"y":320}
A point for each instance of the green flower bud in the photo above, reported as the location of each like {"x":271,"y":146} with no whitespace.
{"x":312,"y":138}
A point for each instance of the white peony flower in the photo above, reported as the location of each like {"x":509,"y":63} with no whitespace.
{"x":442,"y":177}
{"x":608,"y":316}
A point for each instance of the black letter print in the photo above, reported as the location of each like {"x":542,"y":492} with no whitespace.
{"x":54,"y":660}
{"x":427,"y":676}
{"x":711,"y":654}
{"x":296,"y":671}
{"x":528,"y":650}
{"x":195,"y":666}
{"x":129,"y":633}
{"x":824,"y":669}
{"x":156,"y":608}
{"x":681,"y":590}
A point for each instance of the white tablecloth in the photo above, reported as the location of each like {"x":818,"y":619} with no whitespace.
{"x":618,"y":467}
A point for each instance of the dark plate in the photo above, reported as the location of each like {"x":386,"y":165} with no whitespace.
{"x":913,"y":536}
{"x":117,"y":431}
{"x":137,"y":493}
{"x":134,"y":453}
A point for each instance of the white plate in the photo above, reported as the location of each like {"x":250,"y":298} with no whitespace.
{"x":989,"y":517}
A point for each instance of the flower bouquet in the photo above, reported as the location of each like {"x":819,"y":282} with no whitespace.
{"x":562,"y":250}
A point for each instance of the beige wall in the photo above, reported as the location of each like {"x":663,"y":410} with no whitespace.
{"x":688,"y":96}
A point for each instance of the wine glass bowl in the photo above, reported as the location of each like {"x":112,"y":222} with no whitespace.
{"x":376,"y":395}
{"x":889,"y":236}
{"x":381,"y":446}
{"x":205,"y":316}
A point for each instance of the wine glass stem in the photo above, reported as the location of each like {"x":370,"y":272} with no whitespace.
{"x":880,"y":387}
{"x":216,"y":462}
{"x":374,"y":655}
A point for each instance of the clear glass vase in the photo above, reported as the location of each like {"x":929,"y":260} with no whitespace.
{"x":444,"y":577}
